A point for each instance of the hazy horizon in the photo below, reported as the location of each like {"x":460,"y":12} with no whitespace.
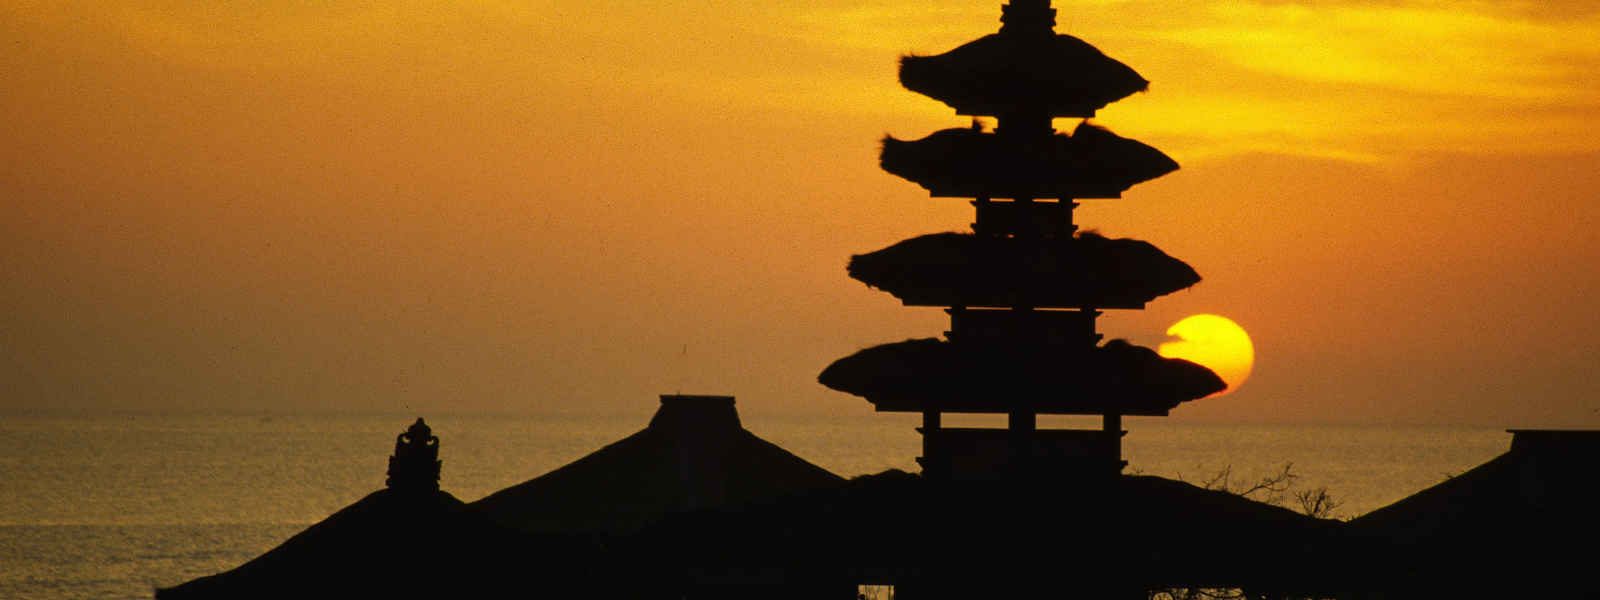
{"x":566,"y":207}
{"x":757,"y":412}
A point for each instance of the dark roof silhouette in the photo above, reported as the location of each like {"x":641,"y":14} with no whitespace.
{"x":1521,"y":523}
{"x":1118,"y":377}
{"x":963,"y":269}
{"x":1136,"y":530}
{"x":410,"y":540}
{"x":694,"y":454}
{"x":1009,"y":73}
{"x":388,"y":544}
{"x":965,"y":163}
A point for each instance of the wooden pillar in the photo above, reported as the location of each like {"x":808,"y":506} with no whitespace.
{"x":1112,"y":426}
{"x":1022,"y":424}
{"x":1023,"y":421}
{"x":934,"y":463}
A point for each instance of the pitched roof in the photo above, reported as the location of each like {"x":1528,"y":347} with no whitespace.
{"x":392,"y":543}
{"x":1512,"y":522}
{"x":694,"y":454}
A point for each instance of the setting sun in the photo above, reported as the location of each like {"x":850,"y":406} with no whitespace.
{"x":1215,"y":342}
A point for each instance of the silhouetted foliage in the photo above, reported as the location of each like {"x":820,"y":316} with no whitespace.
{"x":1274,"y":488}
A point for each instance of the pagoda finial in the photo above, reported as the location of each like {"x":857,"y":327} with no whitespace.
{"x":1027,"y":16}
{"x":415,"y":463}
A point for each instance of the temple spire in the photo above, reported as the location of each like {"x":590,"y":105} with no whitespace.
{"x":1027,"y":16}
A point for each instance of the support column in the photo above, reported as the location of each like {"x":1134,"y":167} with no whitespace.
{"x":1022,"y":424}
{"x":1111,"y":425}
{"x":934,"y":463}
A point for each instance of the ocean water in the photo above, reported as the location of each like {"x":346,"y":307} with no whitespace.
{"x":114,"y":506}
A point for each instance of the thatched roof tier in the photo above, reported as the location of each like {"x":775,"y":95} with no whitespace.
{"x":967,"y":163}
{"x":694,"y":455}
{"x":962,"y":269}
{"x":1022,"y":72}
{"x":930,"y":374}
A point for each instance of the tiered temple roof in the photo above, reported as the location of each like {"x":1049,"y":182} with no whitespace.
{"x":1025,"y":287}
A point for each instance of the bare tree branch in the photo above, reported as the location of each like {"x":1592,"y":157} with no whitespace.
{"x":1274,"y":488}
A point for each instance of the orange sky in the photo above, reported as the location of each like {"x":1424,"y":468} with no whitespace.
{"x":574,"y":206}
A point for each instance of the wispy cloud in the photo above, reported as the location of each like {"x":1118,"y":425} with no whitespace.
{"x":1424,"y":49}
{"x":1390,"y":80}
{"x":1368,"y":80}
{"x":1353,"y":80}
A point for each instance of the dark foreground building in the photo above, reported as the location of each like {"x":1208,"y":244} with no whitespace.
{"x":694,"y":506}
{"x":569,"y":532}
{"x":958,"y":540}
{"x":1522,"y":525}
{"x":694,"y":455}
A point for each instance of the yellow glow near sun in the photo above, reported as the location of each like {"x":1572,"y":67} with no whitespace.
{"x":1215,"y":342}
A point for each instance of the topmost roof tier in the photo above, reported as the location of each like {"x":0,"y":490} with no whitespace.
{"x":1025,"y":69}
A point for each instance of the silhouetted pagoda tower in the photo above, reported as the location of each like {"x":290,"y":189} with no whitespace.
{"x":1022,"y":289}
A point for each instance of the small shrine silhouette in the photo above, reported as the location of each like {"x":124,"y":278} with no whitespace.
{"x":1024,"y":288}
{"x":415,"y":463}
